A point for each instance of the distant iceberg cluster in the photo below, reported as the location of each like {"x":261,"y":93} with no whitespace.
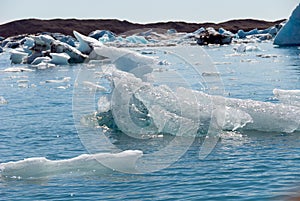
{"x":46,"y":50}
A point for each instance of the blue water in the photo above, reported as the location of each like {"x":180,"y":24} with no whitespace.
{"x":38,"y":121}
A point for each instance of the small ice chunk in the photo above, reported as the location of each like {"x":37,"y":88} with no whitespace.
{"x":29,"y":43}
{"x":17,"y":56}
{"x":60,"y":58}
{"x":241,"y":48}
{"x":290,"y":97}
{"x":17,"y":69}
{"x":65,"y":79}
{"x":103,"y":104}
{"x":93,"y":86}
{"x":3,"y":101}
{"x":39,"y":60}
{"x":44,"y":65}
{"x":136,"y":39}
{"x":85,"y":43}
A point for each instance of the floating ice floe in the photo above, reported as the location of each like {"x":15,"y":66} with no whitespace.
{"x":289,"y":35}
{"x":65,"y":79}
{"x":86,"y":164}
{"x":28,"y":44}
{"x":246,"y":48}
{"x":59,"y":58}
{"x":290,"y":97}
{"x":85,"y":43}
{"x":17,"y":56}
{"x":159,"y":106}
{"x":136,"y":40}
{"x":3,"y":101}
{"x":17,"y":69}
{"x":98,"y":34}
{"x":39,"y":60}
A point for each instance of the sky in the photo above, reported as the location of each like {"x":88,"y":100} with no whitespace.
{"x":141,"y":11}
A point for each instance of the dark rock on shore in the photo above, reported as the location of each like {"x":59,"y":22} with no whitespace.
{"x":66,"y":26}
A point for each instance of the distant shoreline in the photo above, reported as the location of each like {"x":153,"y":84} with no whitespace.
{"x":66,"y":26}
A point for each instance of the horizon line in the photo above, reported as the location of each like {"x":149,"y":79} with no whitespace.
{"x":142,"y":23}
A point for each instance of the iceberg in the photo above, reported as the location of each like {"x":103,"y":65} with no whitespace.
{"x":171,"y":31}
{"x":17,"y":56}
{"x":86,"y":164}
{"x":127,"y":60}
{"x":39,"y":60}
{"x":159,"y":109}
{"x":97,"y":34}
{"x":289,"y":34}
{"x":28,"y":44}
{"x":63,"y":38}
{"x":136,"y":40}
{"x":85,"y":43}
{"x":60,"y":58}
{"x":242,"y":34}
{"x":75,"y":55}
{"x":105,"y":38}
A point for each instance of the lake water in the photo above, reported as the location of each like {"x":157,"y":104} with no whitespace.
{"x":38,"y":121}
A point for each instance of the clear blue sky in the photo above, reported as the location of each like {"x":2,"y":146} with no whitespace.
{"x":148,"y":11}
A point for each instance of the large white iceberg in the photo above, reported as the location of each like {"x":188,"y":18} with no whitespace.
{"x":289,"y":35}
{"x":159,"y":109}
